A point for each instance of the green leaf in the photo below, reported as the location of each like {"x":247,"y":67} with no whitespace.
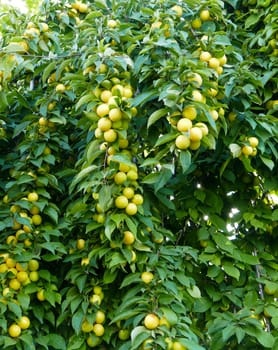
{"x":194,"y":291}
{"x":155,"y":116}
{"x":268,"y":162}
{"x":230,"y":270}
{"x":76,"y":320}
{"x":165,"y":139}
{"x":185,"y":160}
{"x":144,"y":97}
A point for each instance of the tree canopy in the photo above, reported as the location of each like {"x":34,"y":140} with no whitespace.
{"x":138,"y":154}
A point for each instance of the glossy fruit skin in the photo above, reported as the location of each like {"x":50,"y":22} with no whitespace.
{"x":182,"y":142}
{"x":147,"y":277}
{"x":24,"y":322}
{"x":151,"y":321}
{"x":14,"y":331}
{"x":131,"y":209}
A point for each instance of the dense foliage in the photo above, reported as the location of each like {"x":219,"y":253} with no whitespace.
{"x":138,"y":154}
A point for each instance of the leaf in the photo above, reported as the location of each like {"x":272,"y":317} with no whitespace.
{"x":155,"y":116}
{"x":165,"y":139}
{"x":132,"y":278}
{"x":57,"y":342}
{"x":185,"y":160}
{"x":268,"y":162}
{"x":144,"y":97}
{"x":76,"y":320}
{"x":138,"y":335}
{"x":170,"y":315}
{"x":252,"y":19}
{"x":194,"y":292}
{"x":231,"y":270}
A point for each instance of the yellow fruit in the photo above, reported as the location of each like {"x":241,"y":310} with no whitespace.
{"x":232,"y":116}
{"x":205,"y":56}
{"x":44,"y":27}
{"x":182,"y":142}
{"x":105,"y":95}
{"x":85,"y":261}
{"x":129,"y":238}
{"x":203,"y":127}
{"x":24,"y":322}
{"x":124,"y":167}
{"x":111,"y":23}
{"x":156,"y":25}
{"x":93,"y":341}
{"x":60,"y":88}
{"x":219,"y":70}
{"x":22,"y":276}
{"x":14,"y":209}
{"x":115,"y":114}
{"x":40,"y":295}
{"x":6,"y":292}
{"x":147,"y":277}
{"x":197,"y":96}
{"x":197,"y":79}
{"x":117,"y":90}
{"x":205,"y":15}
{"x":178,"y":346}
{"x":11,"y":239}
{"x":213,"y":63}
{"x":102,"y":110}
{"x":151,"y":321}
{"x":95,"y":299}
{"x":104,"y":124}
{"x":87,"y":327}
{"x":121,"y":202}
{"x":212,"y":92}
{"x":189,"y":112}
{"x":110,"y":135}
{"x":83,"y":8}
{"x":33,"y":265}
{"x":34,"y":276}
{"x":128,"y":192}
{"x":36,"y":219}
{"x":214,"y":114}
{"x":132,"y":175}
{"x":14,"y":284}
{"x":177,"y":9}
{"x":123,"y":143}
{"x":131,"y":209}
{"x":98,"y":329}
{"x":100,"y":316}
{"x":222,"y":60}
{"x":196,"y":134}
{"x":247,"y":150}
{"x":164,"y":322}
{"x":120,"y":177}
{"x":97,"y":290}
{"x":253,"y":141}
{"x":34,"y":210}
{"x":196,"y":23}
{"x":14,"y":331}
{"x":80,"y":243}
{"x":43,"y":121}
{"x":3,"y":268}
{"x":32,"y":197}
{"x":184,"y":124}
{"x":10,"y":262}
{"x":138,"y":199}
{"x":98,"y":133}
{"x":194,"y":145}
